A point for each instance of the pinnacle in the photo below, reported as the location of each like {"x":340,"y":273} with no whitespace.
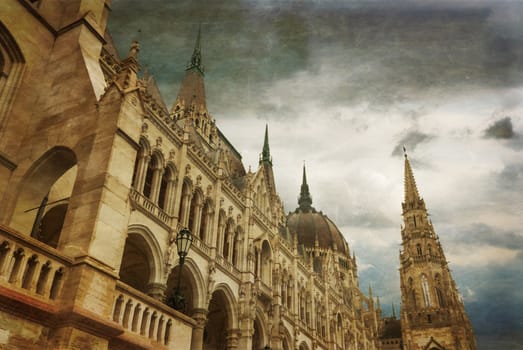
{"x":305,"y":199}
{"x":411,"y":190}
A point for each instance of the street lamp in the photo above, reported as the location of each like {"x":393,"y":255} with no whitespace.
{"x":183,"y":243}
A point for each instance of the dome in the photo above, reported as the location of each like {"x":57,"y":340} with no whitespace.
{"x":310,"y":225}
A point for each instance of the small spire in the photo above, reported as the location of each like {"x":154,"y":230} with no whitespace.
{"x":378,"y":303}
{"x":266,"y":153}
{"x":370,"y":291}
{"x":196,"y":58}
{"x":305,"y":199}
{"x":133,"y":50}
{"x":411,"y":190}
{"x":393,"y":311}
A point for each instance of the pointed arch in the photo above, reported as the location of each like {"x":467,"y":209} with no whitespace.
{"x":287,"y":339}
{"x":426,"y":291}
{"x":232,"y":311}
{"x":261,"y":333}
{"x":236,"y":246}
{"x":12,"y":65}
{"x":195,"y":210}
{"x":303,"y":346}
{"x":227,"y":239}
{"x":193,"y":287}
{"x":167,"y":188}
{"x":266,"y":262}
{"x":185,"y":200}
{"x":140,"y":164}
{"x":206,"y":221}
{"x":40,"y":181}
{"x":142,"y":264}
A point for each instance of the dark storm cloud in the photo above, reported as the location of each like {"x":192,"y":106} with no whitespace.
{"x":500,"y":129}
{"x":410,"y":141}
{"x":482,"y":234}
{"x":389,"y":53}
{"x":500,"y":319}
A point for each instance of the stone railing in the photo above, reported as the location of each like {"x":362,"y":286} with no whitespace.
{"x":30,"y":265}
{"x":150,"y":208}
{"x":228,"y":266}
{"x":150,"y":319}
{"x":201,"y":245}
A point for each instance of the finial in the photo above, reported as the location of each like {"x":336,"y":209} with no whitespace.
{"x":266,"y":153}
{"x":196,"y":58}
{"x":133,"y":50}
{"x":393,"y":311}
{"x":305,"y":199}
{"x":405,"y":152}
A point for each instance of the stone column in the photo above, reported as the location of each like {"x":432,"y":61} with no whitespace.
{"x":232,"y":339}
{"x":200,"y":316}
{"x":156,"y":290}
{"x":143,"y":162}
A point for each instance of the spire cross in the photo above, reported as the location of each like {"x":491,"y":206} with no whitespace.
{"x":196,"y":58}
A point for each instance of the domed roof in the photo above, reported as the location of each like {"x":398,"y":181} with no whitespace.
{"x":310,"y":225}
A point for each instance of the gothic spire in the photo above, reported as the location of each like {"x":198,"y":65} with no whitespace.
{"x":411,"y":190}
{"x":196,"y":58}
{"x":305,"y":199}
{"x":393,"y":311}
{"x":266,"y":153}
{"x":191,"y":96}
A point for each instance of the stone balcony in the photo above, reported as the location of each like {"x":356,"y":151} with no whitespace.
{"x":30,"y":270}
{"x":32,"y":276}
{"x":149,"y":323}
{"x":150,"y":209}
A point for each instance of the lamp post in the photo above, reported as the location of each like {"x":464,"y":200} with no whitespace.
{"x":183,"y":243}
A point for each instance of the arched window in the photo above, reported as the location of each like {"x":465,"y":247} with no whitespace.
{"x":164,"y":186}
{"x":227,"y":239}
{"x":236,"y":247}
{"x":221,"y":230}
{"x":195,"y":211}
{"x":418,"y":249}
{"x":149,"y":175}
{"x":140,"y":165}
{"x":265,"y":259}
{"x":183,"y":213}
{"x":206,"y":220}
{"x":426,"y":291}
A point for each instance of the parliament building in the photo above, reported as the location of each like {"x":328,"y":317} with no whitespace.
{"x":98,"y":178}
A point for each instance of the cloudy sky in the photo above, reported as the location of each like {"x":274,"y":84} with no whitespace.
{"x":343,"y":85}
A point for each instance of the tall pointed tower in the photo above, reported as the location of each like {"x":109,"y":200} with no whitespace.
{"x":190,"y":107}
{"x":432,"y":312}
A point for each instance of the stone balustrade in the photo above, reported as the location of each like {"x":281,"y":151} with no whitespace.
{"x":150,"y":208}
{"x":30,"y":265}
{"x":150,"y":319}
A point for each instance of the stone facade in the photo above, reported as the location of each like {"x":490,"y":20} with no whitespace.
{"x":97,"y":176}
